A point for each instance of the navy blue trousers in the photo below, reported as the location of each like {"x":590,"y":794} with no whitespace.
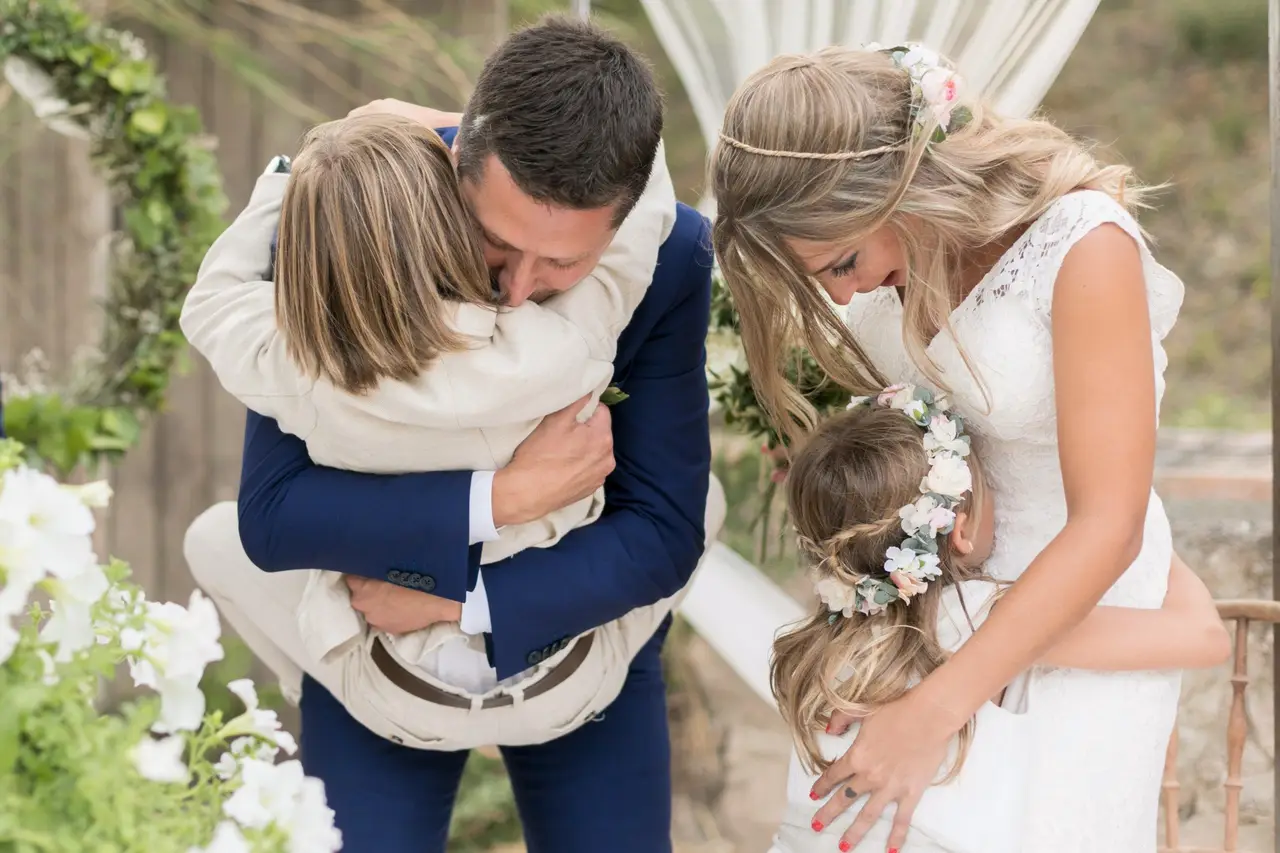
{"x":605,"y":786}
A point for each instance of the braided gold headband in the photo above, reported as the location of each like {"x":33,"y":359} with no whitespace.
{"x":810,"y":155}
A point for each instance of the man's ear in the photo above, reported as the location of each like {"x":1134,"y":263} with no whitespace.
{"x":959,"y":535}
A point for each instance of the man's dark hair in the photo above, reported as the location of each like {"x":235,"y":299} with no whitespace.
{"x":573,"y":114}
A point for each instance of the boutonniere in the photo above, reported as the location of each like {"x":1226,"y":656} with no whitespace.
{"x":613,"y":395}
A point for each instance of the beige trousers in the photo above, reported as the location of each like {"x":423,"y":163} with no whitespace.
{"x":262,"y":607}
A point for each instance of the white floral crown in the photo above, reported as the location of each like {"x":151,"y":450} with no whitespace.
{"x":935,"y":89}
{"x":910,"y":566}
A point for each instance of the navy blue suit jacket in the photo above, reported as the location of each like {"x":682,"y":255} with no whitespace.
{"x":413,"y":529}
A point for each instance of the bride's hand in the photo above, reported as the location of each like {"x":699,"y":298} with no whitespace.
{"x":895,"y":756}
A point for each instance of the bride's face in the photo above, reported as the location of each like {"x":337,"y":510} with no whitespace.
{"x":845,"y":268}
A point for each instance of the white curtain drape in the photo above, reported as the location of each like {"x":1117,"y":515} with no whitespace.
{"x":1010,"y":49}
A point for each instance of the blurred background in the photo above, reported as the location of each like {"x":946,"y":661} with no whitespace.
{"x":1177,"y":88}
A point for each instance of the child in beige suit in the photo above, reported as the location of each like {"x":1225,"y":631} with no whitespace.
{"x":381,"y":345}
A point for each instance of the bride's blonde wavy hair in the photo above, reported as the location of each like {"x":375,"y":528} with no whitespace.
{"x":942,"y":199}
{"x":844,"y":490}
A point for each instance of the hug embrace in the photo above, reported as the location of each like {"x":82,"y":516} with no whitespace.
{"x":446,"y":537}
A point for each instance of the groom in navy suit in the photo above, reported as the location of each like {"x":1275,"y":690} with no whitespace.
{"x":556,"y":145}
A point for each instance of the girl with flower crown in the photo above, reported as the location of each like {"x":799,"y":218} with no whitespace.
{"x":996,"y":260}
{"x":895,"y":518}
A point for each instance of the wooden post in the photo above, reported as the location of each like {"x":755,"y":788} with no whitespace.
{"x":1274,"y":40}
{"x":582,"y":8}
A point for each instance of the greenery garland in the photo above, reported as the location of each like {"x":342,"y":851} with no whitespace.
{"x":168,"y":189}
{"x":732,"y":389}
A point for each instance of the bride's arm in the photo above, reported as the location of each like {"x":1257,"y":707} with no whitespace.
{"x":1185,"y":633}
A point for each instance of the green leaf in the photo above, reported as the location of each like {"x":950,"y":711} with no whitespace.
{"x":131,"y":77}
{"x":150,"y":120}
{"x":613,"y":395}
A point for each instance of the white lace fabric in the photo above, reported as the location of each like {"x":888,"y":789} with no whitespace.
{"x":1102,"y":736}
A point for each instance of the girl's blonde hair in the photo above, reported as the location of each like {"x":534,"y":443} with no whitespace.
{"x":375,"y":239}
{"x":844,"y":490}
{"x":942,"y":199}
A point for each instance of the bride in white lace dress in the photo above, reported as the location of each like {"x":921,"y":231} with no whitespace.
{"x":997,"y":259}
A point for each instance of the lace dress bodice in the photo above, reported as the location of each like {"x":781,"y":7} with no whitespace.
{"x":1004,"y":328}
{"x":1101,"y":737}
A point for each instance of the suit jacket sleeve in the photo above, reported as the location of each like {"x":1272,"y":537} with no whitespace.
{"x":651,"y":536}
{"x":295,"y":514}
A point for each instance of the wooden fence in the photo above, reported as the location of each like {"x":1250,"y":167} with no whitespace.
{"x":55,"y":215}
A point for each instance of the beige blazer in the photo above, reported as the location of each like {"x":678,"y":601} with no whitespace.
{"x":467,"y":410}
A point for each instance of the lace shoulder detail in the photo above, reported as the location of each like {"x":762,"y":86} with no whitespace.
{"x":1031,"y":266}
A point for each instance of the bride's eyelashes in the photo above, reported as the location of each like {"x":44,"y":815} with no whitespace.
{"x":845,"y":267}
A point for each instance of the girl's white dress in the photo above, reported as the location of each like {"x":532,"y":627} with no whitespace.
{"x":1100,"y":737}
{"x":981,"y":810}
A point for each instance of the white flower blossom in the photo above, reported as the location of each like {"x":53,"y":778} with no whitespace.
{"x":179,"y":643}
{"x":161,"y":760}
{"x":917,"y":411}
{"x":838,"y":596}
{"x":927,"y":515}
{"x":944,"y":436}
{"x":60,"y":523}
{"x":855,"y":402}
{"x":281,"y":795}
{"x":227,"y":838}
{"x":259,"y":721}
{"x":95,"y":495}
{"x":948,"y":476}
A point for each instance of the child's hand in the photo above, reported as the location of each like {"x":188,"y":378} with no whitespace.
{"x":397,"y":609}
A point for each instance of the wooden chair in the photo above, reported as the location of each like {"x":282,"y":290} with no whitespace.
{"x":1242,"y":613}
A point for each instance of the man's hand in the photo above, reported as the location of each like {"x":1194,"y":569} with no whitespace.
{"x":398,"y":610}
{"x":562,"y":461}
{"x":422,"y":115}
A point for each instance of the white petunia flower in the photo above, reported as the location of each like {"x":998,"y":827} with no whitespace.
{"x":58,"y":522}
{"x":917,"y":411}
{"x":227,"y":838}
{"x":281,"y":795}
{"x":948,"y":476}
{"x":95,"y":495}
{"x":179,"y":643}
{"x":161,"y":760}
{"x":259,"y":721}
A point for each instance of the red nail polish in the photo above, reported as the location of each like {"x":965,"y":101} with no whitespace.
{"x":893,"y":850}
{"x":817,"y":826}
{"x":844,"y":847}
{"x":813,"y":795}
{"x":828,"y":728}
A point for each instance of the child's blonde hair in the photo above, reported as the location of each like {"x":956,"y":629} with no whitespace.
{"x":942,"y":199}
{"x":844,"y":490}
{"x":374,"y":240}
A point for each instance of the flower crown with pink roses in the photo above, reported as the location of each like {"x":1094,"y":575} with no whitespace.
{"x":913,"y":564}
{"x":935,"y":105}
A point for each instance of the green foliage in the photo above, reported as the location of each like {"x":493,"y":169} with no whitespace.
{"x":485,"y":812}
{"x":736,"y":395}
{"x":168,"y":188}
{"x":1224,"y":31}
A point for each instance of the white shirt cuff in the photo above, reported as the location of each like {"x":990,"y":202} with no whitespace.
{"x":480,"y":513}
{"x":475,"y":610}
